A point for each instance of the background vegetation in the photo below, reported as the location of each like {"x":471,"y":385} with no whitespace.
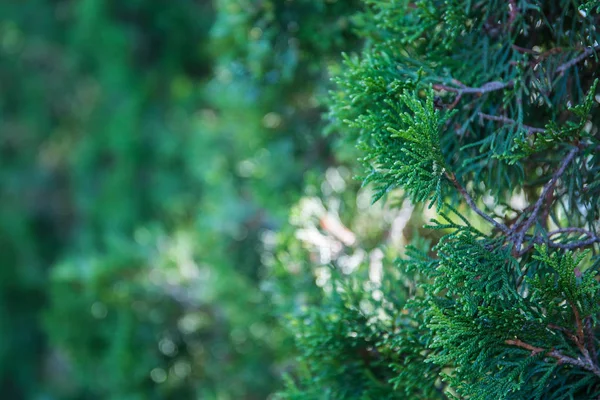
{"x":148,"y":149}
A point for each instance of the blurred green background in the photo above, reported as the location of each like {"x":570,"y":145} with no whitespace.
{"x":149,"y":152}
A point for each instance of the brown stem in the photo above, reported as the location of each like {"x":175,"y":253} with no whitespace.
{"x":546,"y":54}
{"x":539,"y":57}
{"x":519,"y":343}
{"x":455,"y":102}
{"x":560,"y":357}
{"x":565,"y":246}
{"x":578,"y":323}
{"x":575,"y":245}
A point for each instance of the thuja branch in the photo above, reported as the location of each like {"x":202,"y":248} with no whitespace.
{"x":590,"y":339}
{"x":471,"y":203}
{"x":586,"y":364}
{"x":583,"y":337}
{"x":485,"y":88}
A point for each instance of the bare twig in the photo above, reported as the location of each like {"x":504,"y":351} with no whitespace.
{"x":455,"y":102}
{"x":565,"y":246}
{"x":471,"y":203}
{"x":571,"y":230}
{"x":508,"y":121}
{"x":549,"y":186}
{"x":332,"y":224}
{"x":540,"y":57}
{"x":545,"y":213}
{"x":592,"y":238}
{"x":575,"y":245}
{"x":485,"y":88}
{"x":586,"y":53}
{"x":519,"y":343}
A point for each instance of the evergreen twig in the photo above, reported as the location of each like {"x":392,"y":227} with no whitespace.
{"x":452,"y":177}
{"x":508,"y":121}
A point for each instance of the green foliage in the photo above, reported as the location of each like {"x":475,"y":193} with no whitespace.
{"x":342,"y":353}
{"x":287,"y":41}
{"x":410,"y":157}
{"x":475,"y":306}
{"x":157,"y":322}
{"x":564,"y":281}
{"x":86,"y":111}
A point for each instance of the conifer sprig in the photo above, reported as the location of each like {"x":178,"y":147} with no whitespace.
{"x":409,"y":153}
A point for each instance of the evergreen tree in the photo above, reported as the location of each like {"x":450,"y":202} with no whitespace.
{"x":483,"y":114}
